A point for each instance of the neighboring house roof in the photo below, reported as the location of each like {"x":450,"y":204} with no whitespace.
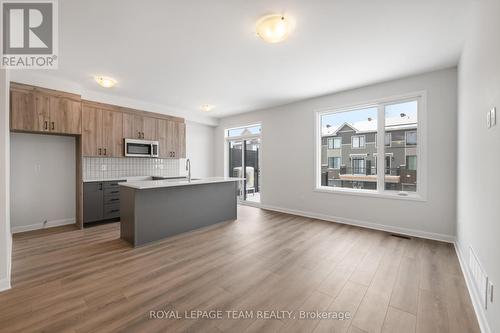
{"x":368,"y":126}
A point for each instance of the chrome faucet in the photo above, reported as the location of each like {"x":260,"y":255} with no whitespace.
{"x":188,"y":169}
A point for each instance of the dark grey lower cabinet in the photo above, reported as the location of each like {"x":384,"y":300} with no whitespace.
{"x":101,"y":201}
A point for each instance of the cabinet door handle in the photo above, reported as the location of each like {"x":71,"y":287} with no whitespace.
{"x":104,"y":151}
{"x":115,"y":211}
{"x":100,"y":151}
{"x":46,"y":125}
{"x":173,"y":153}
{"x":114,"y":199}
{"x":53,"y":126}
{"x":143,"y":135}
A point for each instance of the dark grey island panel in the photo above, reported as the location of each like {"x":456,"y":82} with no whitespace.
{"x":151,"y":214}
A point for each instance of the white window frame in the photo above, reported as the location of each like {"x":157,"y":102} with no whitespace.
{"x":421,"y":148}
{"x":359,"y":158}
{"x":328,"y":140}
{"x":390,"y":139}
{"x":359,"y":141}
{"x":334,"y":157}
{"x":406,"y":139}
{"x":339,"y":138}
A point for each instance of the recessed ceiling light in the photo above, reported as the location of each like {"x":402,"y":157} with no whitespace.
{"x":207,"y":107}
{"x":105,"y":81}
{"x":274,"y":28}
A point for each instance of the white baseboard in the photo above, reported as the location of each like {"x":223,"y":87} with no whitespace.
{"x":4,"y":284}
{"x":358,"y":223}
{"x":477,"y":300}
{"x":37,"y":226}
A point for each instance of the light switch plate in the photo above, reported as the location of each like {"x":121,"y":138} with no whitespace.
{"x":103,"y":167}
{"x":493,"y":116}
{"x":488,"y":119}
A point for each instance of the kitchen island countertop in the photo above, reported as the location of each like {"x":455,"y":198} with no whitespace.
{"x":150,"y":184}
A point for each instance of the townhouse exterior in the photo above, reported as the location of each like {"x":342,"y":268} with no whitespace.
{"x":349,"y":158}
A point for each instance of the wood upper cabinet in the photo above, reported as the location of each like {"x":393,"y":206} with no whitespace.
{"x":149,"y":128}
{"x":65,"y":115}
{"x":139,"y":127}
{"x":29,"y":111}
{"x":172,"y":138}
{"x":112,"y":133}
{"x":91,"y":131}
{"x":162,"y":134}
{"x":40,"y":110}
{"x":102,"y":132}
{"x":102,"y":126}
{"x":132,"y":126}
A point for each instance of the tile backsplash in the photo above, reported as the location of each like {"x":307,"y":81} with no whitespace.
{"x":106,"y":167}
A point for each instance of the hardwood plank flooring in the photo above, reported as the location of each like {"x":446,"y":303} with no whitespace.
{"x":70,"y":280}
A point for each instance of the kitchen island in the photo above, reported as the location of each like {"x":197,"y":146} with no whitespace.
{"x":152,"y":210}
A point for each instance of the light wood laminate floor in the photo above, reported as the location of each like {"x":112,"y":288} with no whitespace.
{"x":69,"y":280}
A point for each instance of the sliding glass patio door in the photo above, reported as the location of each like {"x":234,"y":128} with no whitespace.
{"x":244,"y":156}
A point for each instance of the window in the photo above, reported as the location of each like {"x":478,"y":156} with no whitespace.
{"x":411,"y":163}
{"x":357,"y":159}
{"x":411,"y":138}
{"x":243,"y":131}
{"x":358,"y":166}
{"x":337,"y":143}
{"x":401,"y":119}
{"x":388,"y":139}
{"x":330,"y":143}
{"x":358,"y":141}
{"x":391,"y":169}
{"x":334,"y":162}
{"x":334,"y":143}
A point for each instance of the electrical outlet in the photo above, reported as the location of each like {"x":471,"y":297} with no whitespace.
{"x":488,"y":119}
{"x":104,"y":167}
{"x":493,"y":117}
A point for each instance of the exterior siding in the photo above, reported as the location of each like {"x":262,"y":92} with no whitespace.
{"x":397,"y":152}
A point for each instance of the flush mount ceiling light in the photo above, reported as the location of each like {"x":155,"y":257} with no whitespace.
{"x":207,"y":107}
{"x":274,"y":28}
{"x":105,"y":81}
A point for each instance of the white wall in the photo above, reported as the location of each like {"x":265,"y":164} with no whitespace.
{"x":288,"y":159}
{"x":43,"y":180}
{"x":5,"y":236}
{"x":478,"y":200}
{"x":199,"y":149}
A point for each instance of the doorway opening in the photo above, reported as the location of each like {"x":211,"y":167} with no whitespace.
{"x":244,"y":160}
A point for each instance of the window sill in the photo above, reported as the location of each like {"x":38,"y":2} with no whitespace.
{"x":370,"y":193}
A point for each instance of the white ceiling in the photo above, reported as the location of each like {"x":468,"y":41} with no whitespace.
{"x":186,"y":53}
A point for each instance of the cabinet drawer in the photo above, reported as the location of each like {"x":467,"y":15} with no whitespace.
{"x":111,"y":211}
{"x":112,"y":191}
{"x":113,"y":199}
{"x":113,"y":184}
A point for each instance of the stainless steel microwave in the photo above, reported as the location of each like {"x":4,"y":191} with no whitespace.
{"x":141,"y":148}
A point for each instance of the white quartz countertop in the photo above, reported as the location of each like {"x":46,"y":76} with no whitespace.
{"x":149,"y":184}
{"x":126,"y":179}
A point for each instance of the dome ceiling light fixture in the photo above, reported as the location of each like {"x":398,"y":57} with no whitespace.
{"x":105,"y":81}
{"x":274,"y":28}
{"x":207,"y":107}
